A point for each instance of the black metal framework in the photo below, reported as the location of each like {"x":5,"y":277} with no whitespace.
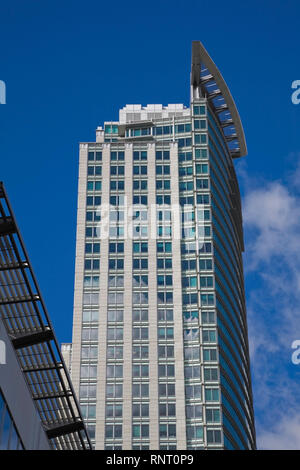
{"x":28,"y":325}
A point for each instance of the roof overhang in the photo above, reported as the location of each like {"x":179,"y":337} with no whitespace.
{"x":212,"y":85}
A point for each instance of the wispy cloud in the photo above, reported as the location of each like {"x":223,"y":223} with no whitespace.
{"x":271,"y":214}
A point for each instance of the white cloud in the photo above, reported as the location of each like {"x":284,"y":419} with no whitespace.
{"x":284,"y":435}
{"x":271,"y":215}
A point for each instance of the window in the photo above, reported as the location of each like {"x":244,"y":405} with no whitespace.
{"x":87,"y":391}
{"x":164,"y":263}
{"x":164,"y":247}
{"x":114,"y":391}
{"x":167,"y":430}
{"x":166,"y":370}
{"x":94,"y":170}
{"x":200,"y":124}
{"x":209,"y":336}
{"x":89,"y":334}
{"x":114,"y":371}
{"x":165,"y":333}
{"x":140,"y":263}
{"x":139,"y":185}
{"x":140,"y":370}
{"x":115,"y":281}
{"x":165,"y":351}
{"x":164,"y":314}
{"x":140,"y":390}
{"x":88,"y":411}
{"x":194,"y":432}
{"x":207,"y":299}
{"x":88,"y":371}
{"x":114,"y":334}
{"x":91,"y":281}
{"x":140,"y":315}
{"x":201,"y":169}
{"x":211,"y":394}
{"x":205,"y":264}
{"x":199,"y":110}
{"x":211,"y":374}
{"x":117,"y":170}
{"x":92,"y":264}
{"x":93,"y":200}
{"x":202,"y":183}
{"x":90,"y":316}
{"x":191,"y":353}
{"x":140,"y":352}
{"x":191,"y":334}
{"x":163,"y":184}
{"x":162,"y":169}
{"x":140,"y":430}
{"x":140,"y":410}
{"x":92,"y":247}
{"x":200,"y":138}
{"x":214,"y":436}
{"x":140,"y":155}
{"x":92,"y":156}
{"x":189,"y":281}
{"x":201,"y":153}
{"x":114,"y":410}
{"x":194,"y":411}
{"x":163,"y":199}
{"x":164,"y":280}
{"x":139,"y":170}
{"x":139,"y":333}
{"x":113,"y":431}
{"x":89,"y":352}
{"x":185,"y":171}
{"x":114,"y":352}
{"x":180,"y":128}
{"x":140,"y":200}
{"x":114,"y":315}
{"x":192,"y":372}
{"x":188,"y":265}
{"x":117,"y":156}
{"x":167,"y":409}
{"x":209,"y":355}
{"x":116,"y":263}
{"x":185,"y":156}
{"x":94,"y":186}
{"x":184,"y":142}
{"x":117,"y":185}
{"x":213,"y":415}
{"x":188,"y":299}
{"x":166,"y":390}
{"x":139,"y":298}
{"x":116,"y":298}
{"x":116,"y":247}
{"x":163,"y":155}
{"x":190,"y":315}
{"x":193,"y":391}
{"x":140,"y":247}
{"x":206,"y":281}
{"x":164,"y":297}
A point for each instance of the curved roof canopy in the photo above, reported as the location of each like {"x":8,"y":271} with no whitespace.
{"x":207,"y":82}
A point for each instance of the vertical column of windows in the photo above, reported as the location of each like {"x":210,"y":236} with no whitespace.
{"x":140,"y":295}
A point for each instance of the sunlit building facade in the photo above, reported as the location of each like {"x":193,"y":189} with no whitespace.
{"x":160,"y":356}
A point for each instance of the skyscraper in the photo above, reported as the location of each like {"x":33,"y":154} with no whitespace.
{"x":160,"y":354}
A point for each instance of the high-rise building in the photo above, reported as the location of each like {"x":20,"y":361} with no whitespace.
{"x":160,"y":355}
{"x":38,"y":407}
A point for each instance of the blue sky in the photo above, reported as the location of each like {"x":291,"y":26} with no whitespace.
{"x":70,"y":65}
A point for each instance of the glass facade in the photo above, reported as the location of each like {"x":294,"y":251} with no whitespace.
{"x":164,"y":360}
{"x":9,"y":437}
